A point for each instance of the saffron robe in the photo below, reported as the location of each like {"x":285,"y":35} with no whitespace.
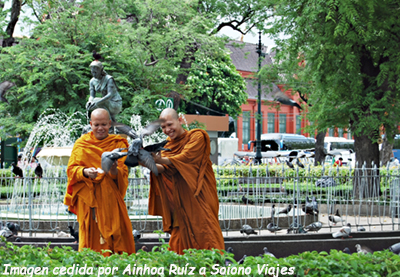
{"x":185,"y":194}
{"x":99,"y":203}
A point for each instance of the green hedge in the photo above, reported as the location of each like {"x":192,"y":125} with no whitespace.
{"x":335,"y":263}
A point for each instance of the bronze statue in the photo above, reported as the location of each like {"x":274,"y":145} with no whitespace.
{"x":104,"y":84}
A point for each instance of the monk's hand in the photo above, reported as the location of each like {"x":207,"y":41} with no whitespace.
{"x":90,"y":172}
{"x":114,"y":168}
{"x":156,"y":157}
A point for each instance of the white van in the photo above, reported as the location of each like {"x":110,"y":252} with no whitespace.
{"x":340,"y":147}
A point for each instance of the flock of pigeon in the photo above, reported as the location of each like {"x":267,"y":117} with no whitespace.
{"x":20,"y":174}
{"x":135,"y":153}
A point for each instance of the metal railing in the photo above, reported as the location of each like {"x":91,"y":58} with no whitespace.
{"x":367,"y":197}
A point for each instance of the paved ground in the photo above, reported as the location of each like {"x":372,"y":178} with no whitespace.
{"x":371,"y":224}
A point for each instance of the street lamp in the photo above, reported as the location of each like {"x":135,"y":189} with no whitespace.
{"x":258,"y":139}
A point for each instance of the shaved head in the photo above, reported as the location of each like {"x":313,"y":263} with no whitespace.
{"x":169,"y":112}
{"x":172,"y":126}
{"x":99,"y":113}
{"x":100,"y":122}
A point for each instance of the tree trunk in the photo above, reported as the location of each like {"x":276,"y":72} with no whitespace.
{"x":15,"y":11}
{"x":366,"y":179}
{"x":386,"y":151}
{"x":320,"y":152}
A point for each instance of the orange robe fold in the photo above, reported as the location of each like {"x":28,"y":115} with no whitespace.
{"x":185,"y":194}
{"x":99,"y":203}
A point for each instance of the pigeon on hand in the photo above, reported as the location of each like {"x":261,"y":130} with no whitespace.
{"x":61,"y":234}
{"x":335,"y":218}
{"x":246,"y":229}
{"x":266,"y":252}
{"x":74,"y":233}
{"x":39,"y":171}
{"x":17,"y":170}
{"x":343,"y":232}
{"x":315,"y":226}
{"x":108,"y":158}
{"x":4,"y":86}
{"x":136,"y":152}
{"x":286,"y":210}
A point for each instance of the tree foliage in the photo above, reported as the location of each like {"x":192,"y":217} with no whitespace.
{"x":351,"y":65}
{"x":147,"y":46}
{"x":217,"y":86}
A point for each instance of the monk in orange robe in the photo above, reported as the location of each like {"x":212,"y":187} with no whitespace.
{"x":185,"y":193}
{"x":97,"y":198}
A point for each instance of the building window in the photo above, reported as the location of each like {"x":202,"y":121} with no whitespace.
{"x":340,"y":132}
{"x":271,"y":123}
{"x":246,"y":127}
{"x":282,"y":123}
{"x":331,"y":132}
{"x":298,"y":124}
{"x":255,"y":123}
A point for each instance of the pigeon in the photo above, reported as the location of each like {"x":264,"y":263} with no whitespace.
{"x":61,"y":234}
{"x":229,"y":260}
{"x":315,"y":226}
{"x":97,"y":56}
{"x":136,"y":151}
{"x":395,"y":248}
{"x":361,"y":228}
{"x":39,"y":171}
{"x":296,"y":228}
{"x":241,"y":261}
{"x":314,"y":204}
{"x":299,"y":164}
{"x":4,"y":86}
{"x":108,"y":158}
{"x":362,"y":249}
{"x":13,"y":227}
{"x":286,"y":210}
{"x":335,"y":218}
{"x":144,"y":248}
{"x":18,"y":240}
{"x":289,"y":164}
{"x":347,"y":250}
{"x":273,"y":228}
{"x":344,"y":232}
{"x":136,"y":235}
{"x":74,"y":234}
{"x":247,"y":201}
{"x":246,"y":229}
{"x":281,"y":97}
{"x":273,"y":213}
{"x":308,"y":208}
{"x":5,"y":232}
{"x":17,"y":170}
{"x":266,"y":252}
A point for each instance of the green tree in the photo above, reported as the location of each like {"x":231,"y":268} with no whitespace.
{"x":351,"y":54}
{"x":217,"y":86}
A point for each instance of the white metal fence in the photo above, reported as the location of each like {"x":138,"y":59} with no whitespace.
{"x":246,"y":195}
